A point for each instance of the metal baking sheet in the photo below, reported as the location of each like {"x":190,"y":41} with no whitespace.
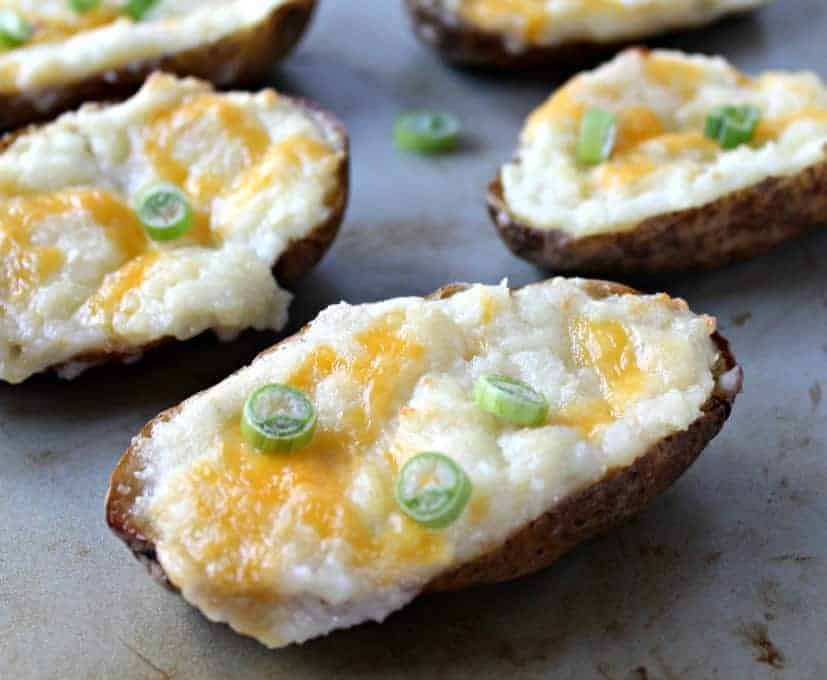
{"x":724,"y":577}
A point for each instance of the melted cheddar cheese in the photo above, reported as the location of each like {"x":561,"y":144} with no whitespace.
{"x":605,"y":348}
{"x":184,"y":127}
{"x":78,"y":274}
{"x":68,"y":46}
{"x":55,"y":27}
{"x":661,"y":161}
{"x":286,"y":547}
{"x":251,"y":502}
{"x":539,"y":22}
{"x":27,"y":265}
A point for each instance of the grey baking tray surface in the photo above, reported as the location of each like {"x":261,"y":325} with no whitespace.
{"x":724,"y":577}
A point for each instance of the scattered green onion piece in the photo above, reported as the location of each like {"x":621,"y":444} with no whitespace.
{"x":164,"y":211}
{"x":598,"y":131}
{"x":426,"y":132}
{"x":432,"y":490}
{"x":732,"y":126}
{"x":15,"y":29}
{"x":740,"y":128}
{"x":278,"y":419}
{"x":138,"y":8}
{"x":83,"y":6}
{"x":511,"y":400}
{"x":715,"y":120}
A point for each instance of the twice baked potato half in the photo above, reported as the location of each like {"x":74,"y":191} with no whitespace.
{"x":439,"y":443}
{"x":511,"y":34}
{"x":671,"y":188}
{"x":261,"y":184}
{"x":62,"y":57}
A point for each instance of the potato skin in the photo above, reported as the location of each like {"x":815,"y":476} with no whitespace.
{"x":735,"y":227}
{"x":584,"y":515}
{"x":241,"y":59}
{"x":463,"y":44}
{"x":297,"y":260}
{"x":305,"y":253}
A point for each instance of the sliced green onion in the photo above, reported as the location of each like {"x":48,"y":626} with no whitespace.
{"x":598,"y":131}
{"x":278,"y":418}
{"x":83,"y":6}
{"x":732,"y":126}
{"x":138,"y":8}
{"x":715,"y":120}
{"x":426,"y":132}
{"x":432,"y":490}
{"x":740,"y":128}
{"x":15,"y":29}
{"x":511,"y":400}
{"x":164,"y":211}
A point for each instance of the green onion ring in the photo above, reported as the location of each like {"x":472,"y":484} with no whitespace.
{"x":432,"y":490}
{"x":511,"y":400}
{"x":278,"y":419}
{"x":598,"y":131}
{"x":15,"y":29}
{"x":426,"y":132}
{"x":164,"y":211}
{"x":83,"y":6}
{"x":138,"y":8}
{"x":732,"y":126}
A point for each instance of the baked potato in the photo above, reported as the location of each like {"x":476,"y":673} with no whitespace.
{"x":261,"y":182}
{"x":518,"y":34}
{"x":563,"y":408}
{"x":668,"y":194}
{"x":63,"y":57}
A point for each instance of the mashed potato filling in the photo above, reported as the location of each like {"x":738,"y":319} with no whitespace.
{"x":288,"y":547}
{"x":662,"y":161}
{"x":68,"y":46}
{"x":78,"y":274}
{"x":554,"y":22}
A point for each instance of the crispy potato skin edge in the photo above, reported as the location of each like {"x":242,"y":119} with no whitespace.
{"x":735,"y":227}
{"x":617,"y":497}
{"x":243,"y":58}
{"x":297,"y":260}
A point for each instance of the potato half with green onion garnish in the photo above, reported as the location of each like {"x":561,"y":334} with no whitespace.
{"x":513,"y":34}
{"x":177,"y":211}
{"x":56,"y":54}
{"x":660,"y":161}
{"x":419,"y":445}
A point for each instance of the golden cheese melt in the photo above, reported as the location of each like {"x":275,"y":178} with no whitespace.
{"x":532,"y":18}
{"x":26,"y":265}
{"x":606,"y":348}
{"x":109,"y":298}
{"x":677,"y":75}
{"x":50,"y":28}
{"x":247,"y":505}
{"x":281,"y":163}
{"x":182,"y":127}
